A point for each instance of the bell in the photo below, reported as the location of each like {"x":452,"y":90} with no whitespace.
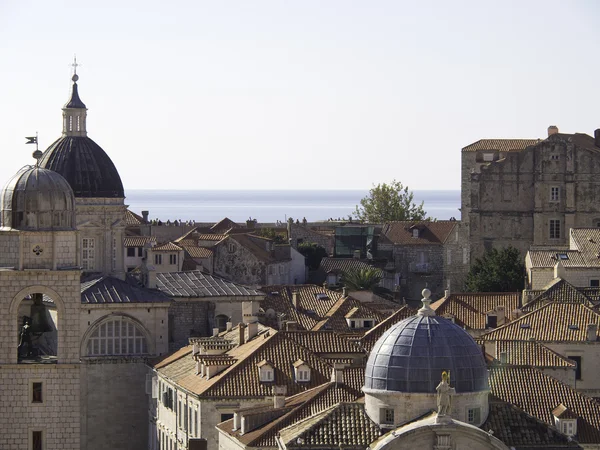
{"x":40,"y":316}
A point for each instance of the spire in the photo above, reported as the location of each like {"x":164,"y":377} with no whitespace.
{"x":75,"y":111}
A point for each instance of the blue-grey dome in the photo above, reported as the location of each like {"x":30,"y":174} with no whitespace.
{"x":411,"y":356}
{"x":37,"y":199}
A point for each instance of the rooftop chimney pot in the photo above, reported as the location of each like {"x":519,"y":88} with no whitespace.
{"x":552,"y":129}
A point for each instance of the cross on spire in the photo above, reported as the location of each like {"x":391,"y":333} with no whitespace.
{"x":75,"y":65}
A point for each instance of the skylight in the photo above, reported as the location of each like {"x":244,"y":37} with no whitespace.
{"x":562,"y":256}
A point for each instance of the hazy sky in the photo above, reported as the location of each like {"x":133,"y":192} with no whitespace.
{"x":296,"y":94}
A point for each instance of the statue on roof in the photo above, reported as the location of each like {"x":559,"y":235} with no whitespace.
{"x":444,"y":393}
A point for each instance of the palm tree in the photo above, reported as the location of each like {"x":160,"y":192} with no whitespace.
{"x":361,"y":279}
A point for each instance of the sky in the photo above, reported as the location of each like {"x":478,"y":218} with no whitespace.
{"x":306,"y":94}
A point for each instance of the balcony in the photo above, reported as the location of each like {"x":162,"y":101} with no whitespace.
{"x":420,"y":267}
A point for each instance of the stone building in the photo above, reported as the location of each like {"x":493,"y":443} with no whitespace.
{"x":76,"y":332}
{"x":529,"y":192}
{"x":424,"y":255}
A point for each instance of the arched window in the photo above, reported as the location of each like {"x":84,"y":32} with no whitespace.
{"x":117,"y":336}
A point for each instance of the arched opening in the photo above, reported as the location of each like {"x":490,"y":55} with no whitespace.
{"x":37,"y":324}
{"x":221,"y":322}
{"x":116,"y":336}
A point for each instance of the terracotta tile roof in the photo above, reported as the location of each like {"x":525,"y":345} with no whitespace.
{"x":517,"y":429}
{"x":431,"y":233}
{"x":258,"y":248}
{"x":559,"y":291}
{"x":138,"y":241}
{"x":198,"y":284}
{"x":540,"y":259}
{"x":500,"y":145}
{"x":340,"y":265}
{"x":324,"y":342}
{"x":168,"y":247}
{"x":553,"y":322}
{"x":345,"y":425}
{"x":335,"y":318}
{"x":297,"y":408}
{"x":133,"y":219}
{"x":538,"y":394}
{"x":531,"y":353}
{"x":197,"y":252}
{"x":469,"y":309}
{"x":105,"y":289}
{"x":241,"y":380}
{"x":373,"y":335}
{"x":224,"y":225}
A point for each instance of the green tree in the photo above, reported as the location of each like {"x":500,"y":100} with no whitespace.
{"x":270,"y":233}
{"x":313,"y":252}
{"x":497,"y":271}
{"x":361,"y":279}
{"x":389,"y":202}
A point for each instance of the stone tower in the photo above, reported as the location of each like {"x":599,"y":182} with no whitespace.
{"x":99,"y":195}
{"x":39,"y":313}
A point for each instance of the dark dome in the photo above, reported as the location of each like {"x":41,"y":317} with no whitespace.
{"x":411,"y":356}
{"x":37,"y":199}
{"x":86,"y":167}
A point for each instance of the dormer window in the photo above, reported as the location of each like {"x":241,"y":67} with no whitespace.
{"x":415,"y":232}
{"x":266,"y":373}
{"x":301,"y":372}
{"x":491,"y":321}
{"x":565,"y":420}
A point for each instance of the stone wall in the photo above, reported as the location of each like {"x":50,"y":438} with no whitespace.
{"x":508,"y":201}
{"x":114,"y":404}
{"x":58,"y":416}
{"x":240,"y":265}
{"x":421,"y":266}
{"x":302,"y":233}
{"x":187,"y":318}
{"x":9,"y":249}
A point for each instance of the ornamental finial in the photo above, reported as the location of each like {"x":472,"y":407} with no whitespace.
{"x":426,"y":308}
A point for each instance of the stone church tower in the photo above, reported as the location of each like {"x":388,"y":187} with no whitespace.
{"x":39,"y":313}
{"x":99,"y":194}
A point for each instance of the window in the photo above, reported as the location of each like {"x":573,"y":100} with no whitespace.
{"x":140,"y":251}
{"x":569,"y":427}
{"x":172,"y":259}
{"x":387,"y":416}
{"x":157,"y":259}
{"x":231,"y":248}
{"x":554,"y":194}
{"x":577,"y":360}
{"x":488,"y":157}
{"x":554,"y":229}
{"x":492,"y":321}
{"x":554,"y":157}
{"x":594,"y":283}
{"x":415,"y":233}
{"x":131,"y":252}
{"x":473,"y":415}
{"x":368,"y":324}
{"x":88,"y":253}
{"x":265,"y":372}
{"x":36,"y":393}
{"x":465,"y":256}
{"x":226,"y":416}
{"x":36,"y":440}
{"x":117,"y":336}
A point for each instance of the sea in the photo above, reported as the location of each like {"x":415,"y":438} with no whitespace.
{"x":271,"y":206}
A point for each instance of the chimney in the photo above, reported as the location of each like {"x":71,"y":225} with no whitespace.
{"x":252,"y":328}
{"x":295,"y":299}
{"x":344,"y":292}
{"x":241,"y":334}
{"x":229,"y":325}
{"x":215,"y":332}
{"x":279,"y":396}
{"x":592,"y":332}
{"x":559,"y":270}
{"x":503,"y":357}
{"x":151,"y":279}
{"x":250,"y":223}
{"x":552,"y":129}
{"x":597,"y":137}
{"x":145,"y":215}
{"x":446,"y":293}
{"x":291,"y":325}
{"x":501,"y":315}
